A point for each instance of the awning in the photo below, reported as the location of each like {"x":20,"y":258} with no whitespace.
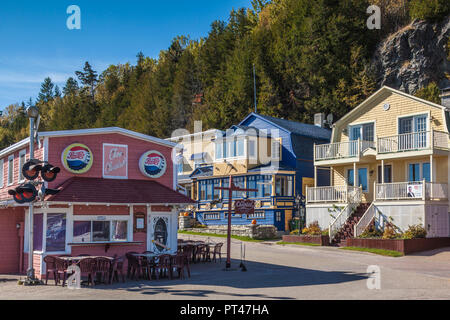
{"x":98,"y":190}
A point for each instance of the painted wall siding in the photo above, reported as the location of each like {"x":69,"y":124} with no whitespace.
{"x":101,"y":210}
{"x":387,"y":121}
{"x":38,"y":154}
{"x":136,"y":148}
{"x":10,"y":240}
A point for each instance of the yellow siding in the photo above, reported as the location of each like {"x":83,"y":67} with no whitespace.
{"x":387,"y":121}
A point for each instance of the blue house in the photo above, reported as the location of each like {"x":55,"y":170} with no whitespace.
{"x":274,"y":156}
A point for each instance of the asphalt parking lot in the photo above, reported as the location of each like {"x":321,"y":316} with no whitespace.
{"x":275,"y":272}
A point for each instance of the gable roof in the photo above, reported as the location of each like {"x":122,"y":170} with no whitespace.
{"x":98,"y":190}
{"x":109,"y":130}
{"x":381,"y":91}
{"x":289,"y":126}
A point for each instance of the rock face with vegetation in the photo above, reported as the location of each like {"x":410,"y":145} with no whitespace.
{"x":415,"y":56}
{"x":309,"y":57}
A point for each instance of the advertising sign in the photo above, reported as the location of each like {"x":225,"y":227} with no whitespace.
{"x":77,"y":158}
{"x":415,"y":190}
{"x":244,"y":207}
{"x":115,"y":161}
{"x":153,"y":164}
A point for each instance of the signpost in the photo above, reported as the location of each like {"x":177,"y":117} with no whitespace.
{"x":244,"y":205}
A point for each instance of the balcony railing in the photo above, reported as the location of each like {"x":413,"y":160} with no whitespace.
{"x":343,"y":194}
{"x":341,"y":150}
{"x":419,"y":190}
{"x":413,"y":141}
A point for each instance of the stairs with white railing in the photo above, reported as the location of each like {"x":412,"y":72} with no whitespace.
{"x":347,"y":230}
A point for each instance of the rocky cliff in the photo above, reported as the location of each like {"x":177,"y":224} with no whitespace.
{"x":414,"y":56}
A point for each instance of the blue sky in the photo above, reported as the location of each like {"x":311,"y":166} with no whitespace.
{"x":35,"y":41}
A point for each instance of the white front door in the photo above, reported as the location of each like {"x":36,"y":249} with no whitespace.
{"x":159,"y":233}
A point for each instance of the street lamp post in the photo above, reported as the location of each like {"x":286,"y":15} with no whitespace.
{"x":33,"y":114}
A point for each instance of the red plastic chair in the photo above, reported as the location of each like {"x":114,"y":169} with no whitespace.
{"x":87,"y":268}
{"x":50,"y":267}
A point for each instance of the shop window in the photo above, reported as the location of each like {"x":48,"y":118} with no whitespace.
{"x":56,"y":232}
{"x":100,"y":230}
{"x":81,"y":231}
{"x":251,"y":184}
{"x":119,"y":230}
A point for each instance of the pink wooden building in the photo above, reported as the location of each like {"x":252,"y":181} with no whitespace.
{"x":117,"y":194}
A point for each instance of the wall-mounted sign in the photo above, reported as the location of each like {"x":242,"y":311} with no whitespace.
{"x":153,"y":164}
{"x":115,"y":161}
{"x":139,"y":222}
{"x":77,"y":158}
{"x":244,"y":207}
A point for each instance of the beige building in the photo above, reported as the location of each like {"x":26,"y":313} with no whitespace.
{"x":388,"y":161}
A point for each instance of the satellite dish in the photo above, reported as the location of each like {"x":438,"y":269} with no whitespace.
{"x":330,"y":119}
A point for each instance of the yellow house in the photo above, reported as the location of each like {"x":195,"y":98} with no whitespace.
{"x":389,"y":162}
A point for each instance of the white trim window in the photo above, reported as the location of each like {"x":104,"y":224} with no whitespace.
{"x":365,"y":132}
{"x":10,"y":170}
{"x":2,"y":173}
{"x":104,"y":229}
{"x":22,"y":160}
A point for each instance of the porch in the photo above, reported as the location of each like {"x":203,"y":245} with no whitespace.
{"x":425,"y":142}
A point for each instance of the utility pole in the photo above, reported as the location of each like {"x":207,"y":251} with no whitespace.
{"x":230,"y":189}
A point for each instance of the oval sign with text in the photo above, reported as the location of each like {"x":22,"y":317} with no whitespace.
{"x":77,"y":158}
{"x":153,"y":164}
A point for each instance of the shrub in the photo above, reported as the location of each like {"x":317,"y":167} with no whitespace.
{"x":313,"y":229}
{"x":326,"y":232}
{"x":390,"y":233}
{"x":371,"y":232}
{"x":415,"y":232}
{"x":293,"y":232}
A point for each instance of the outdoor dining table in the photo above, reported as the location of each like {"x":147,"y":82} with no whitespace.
{"x":77,"y":259}
{"x":195,"y":245}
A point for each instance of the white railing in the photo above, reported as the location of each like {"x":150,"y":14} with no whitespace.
{"x":341,"y":219}
{"x":440,"y":139}
{"x":411,"y":190}
{"x":331,"y":194}
{"x":341,"y":150}
{"x":365,"y":220}
{"x":436,"y":191}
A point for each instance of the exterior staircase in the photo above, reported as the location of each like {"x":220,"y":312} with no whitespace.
{"x":347,"y":230}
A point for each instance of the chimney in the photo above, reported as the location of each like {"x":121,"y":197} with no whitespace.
{"x":445,"y":97}
{"x":319,"y":119}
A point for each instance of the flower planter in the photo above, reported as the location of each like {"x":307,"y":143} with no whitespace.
{"x":321,"y":240}
{"x":406,"y":246}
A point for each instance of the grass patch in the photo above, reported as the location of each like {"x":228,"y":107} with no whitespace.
{"x":389,"y":253}
{"x":205,"y":234}
{"x":299,"y":243}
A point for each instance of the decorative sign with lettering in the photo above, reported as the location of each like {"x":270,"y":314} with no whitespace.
{"x":77,"y":158}
{"x":153,"y":164}
{"x":244,"y":207}
{"x":115,"y":161}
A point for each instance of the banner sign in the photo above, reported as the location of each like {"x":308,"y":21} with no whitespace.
{"x":415,"y":190}
{"x":244,"y":207}
{"x":115,"y":161}
{"x":77,"y":158}
{"x":153,"y":164}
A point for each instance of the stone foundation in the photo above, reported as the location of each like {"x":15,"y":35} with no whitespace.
{"x":253,"y":231}
{"x":185,"y":222}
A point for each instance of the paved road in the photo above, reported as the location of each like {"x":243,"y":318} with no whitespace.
{"x":277,"y":272}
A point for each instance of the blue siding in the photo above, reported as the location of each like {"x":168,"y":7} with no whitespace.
{"x":298,"y":152}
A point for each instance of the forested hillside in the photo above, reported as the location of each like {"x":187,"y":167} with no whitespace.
{"x":309,"y":57}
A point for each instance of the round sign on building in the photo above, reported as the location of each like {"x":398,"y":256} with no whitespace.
{"x":77,"y":158}
{"x":153,"y":164}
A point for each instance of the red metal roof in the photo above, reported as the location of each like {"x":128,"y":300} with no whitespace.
{"x":91,"y":190}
